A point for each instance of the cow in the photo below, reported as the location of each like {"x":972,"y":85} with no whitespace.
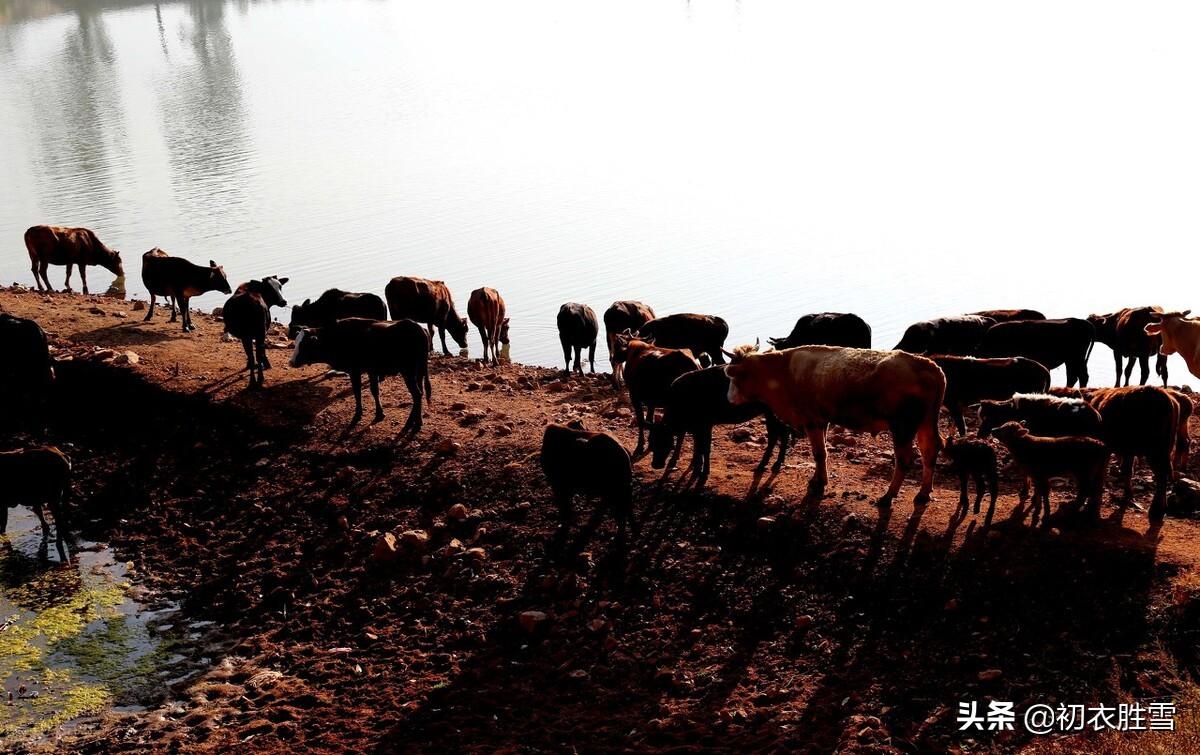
{"x":700,"y":334}
{"x":247,"y":317}
{"x":56,"y":245}
{"x":428,"y":302}
{"x":355,"y":345}
{"x":974,"y":459}
{"x":1180,"y":335}
{"x":1009,"y":315}
{"x":36,"y":477}
{"x":577,"y":330}
{"x":576,"y":461}
{"x":1044,"y":415}
{"x":1183,"y":440}
{"x":970,"y":380}
{"x":618,"y":318}
{"x":695,"y":402}
{"x":649,"y":372}
{"x":179,"y":280}
{"x":1040,"y":458}
{"x":811,"y":387}
{"x":827,"y":329}
{"x":27,"y":367}
{"x":945,"y":335}
{"x":1124,"y":331}
{"x":1051,"y":343}
{"x":334,"y":305}
{"x":485,"y":308}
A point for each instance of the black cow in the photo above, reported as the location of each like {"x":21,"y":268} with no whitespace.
{"x":695,"y":402}
{"x":27,"y":367}
{"x":36,"y":477}
{"x":355,"y":345}
{"x":618,"y":318}
{"x":1009,"y":315}
{"x":577,"y":461}
{"x":334,"y":305}
{"x":1050,"y":343}
{"x":179,"y":280}
{"x":700,"y":334}
{"x":248,"y":316}
{"x":827,"y":329}
{"x":1124,"y":331}
{"x":1045,"y":416}
{"x":945,"y":335}
{"x":970,"y":380}
{"x":577,"y":329}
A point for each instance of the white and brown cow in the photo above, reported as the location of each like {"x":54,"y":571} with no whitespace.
{"x":1180,"y":335}
{"x":811,"y":387}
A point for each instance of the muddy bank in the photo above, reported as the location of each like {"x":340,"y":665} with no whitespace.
{"x":736,"y":621}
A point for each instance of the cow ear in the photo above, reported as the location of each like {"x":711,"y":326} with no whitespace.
{"x":1185,"y":313}
{"x":282,"y":281}
{"x":307,"y":302}
{"x":211,"y":263}
{"x":505,"y":322}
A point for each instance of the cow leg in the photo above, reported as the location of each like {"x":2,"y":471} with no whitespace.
{"x":1082,"y":372}
{"x":960,"y":422}
{"x":772,"y":440}
{"x":676,"y":451}
{"x":1129,"y":368}
{"x":903,"y":457}
{"x":251,"y":364}
{"x":373,"y":381}
{"x":980,"y":489}
{"x":1144,"y":363}
{"x":41,"y":515}
{"x":413,"y":423}
{"x":442,"y":336}
{"x":1160,"y":367}
{"x":33,"y":268}
{"x":592,"y":357}
{"x":1117,"y":368}
{"x":785,"y":439}
{"x":639,"y":414}
{"x":83,"y":276}
{"x":67,"y":282}
{"x":964,"y":483}
{"x":579,"y":359}
{"x":1162,"y":478}
{"x":702,"y":453}
{"x":820,"y":478}
{"x":356,"y":386}
{"x":993,"y":480}
{"x":150,"y":311}
{"x":929,"y":441}
{"x":171,"y":301}
{"x":60,"y":526}
{"x":483,"y":336}
{"x":185,"y":314}
{"x":1042,"y":494}
{"x":263,"y":362}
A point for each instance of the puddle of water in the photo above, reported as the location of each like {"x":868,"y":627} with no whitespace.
{"x":74,"y":638}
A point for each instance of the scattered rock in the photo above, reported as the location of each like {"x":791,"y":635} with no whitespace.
{"x":128,"y":357}
{"x":766,"y":522}
{"x":531,"y":621}
{"x":1184,"y":496}
{"x":990,"y":675}
{"x":740,"y":434}
{"x":804,"y":622}
{"x":218,"y":311}
{"x":417,"y":540}
{"x":96,"y":311}
{"x":384,"y":552}
{"x":458,"y":406}
{"x":458,"y":512}
{"x":447,"y":447}
{"x":138,"y":305}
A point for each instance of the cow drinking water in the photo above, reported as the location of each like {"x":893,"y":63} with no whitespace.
{"x":486,"y":310}
{"x":56,"y":245}
{"x":428,"y":302}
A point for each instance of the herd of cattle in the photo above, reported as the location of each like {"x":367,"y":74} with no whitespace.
{"x":823,"y":373}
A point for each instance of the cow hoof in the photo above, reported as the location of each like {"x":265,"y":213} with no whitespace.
{"x":885,"y":502}
{"x":378,"y":417}
{"x":921,"y":499}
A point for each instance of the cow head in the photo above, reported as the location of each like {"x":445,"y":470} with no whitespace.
{"x":113,"y":264}
{"x":992,"y":414}
{"x":1010,"y":431}
{"x":308,"y":348}
{"x":272,"y":292}
{"x":916,"y":338}
{"x":504,"y":331}
{"x":621,"y":343}
{"x":1161,"y":324}
{"x":457,"y":326}
{"x":216,"y":275}
{"x":741,"y":352}
{"x":743,"y":383}
{"x":662,"y":442}
{"x":298,"y":318}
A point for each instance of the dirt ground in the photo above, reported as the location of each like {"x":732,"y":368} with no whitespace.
{"x":739,"y":619}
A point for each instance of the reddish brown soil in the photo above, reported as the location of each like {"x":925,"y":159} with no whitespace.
{"x":740,"y":619}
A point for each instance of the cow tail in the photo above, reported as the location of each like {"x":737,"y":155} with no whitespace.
{"x":428,"y":384}
{"x":1091,"y":342}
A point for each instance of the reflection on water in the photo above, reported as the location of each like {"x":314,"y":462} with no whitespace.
{"x":752,"y":160}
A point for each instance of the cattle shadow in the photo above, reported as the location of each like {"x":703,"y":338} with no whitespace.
{"x":131,"y":333}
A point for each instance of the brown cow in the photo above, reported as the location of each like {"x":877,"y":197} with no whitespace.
{"x":1041,"y":458}
{"x":428,"y":302}
{"x":485,"y":308}
{"x":619,"y":317}
{"x":55,"y":245}
{"x":649,"y":372}
{"x":1179,"y":336}
{"x":811,"y":387}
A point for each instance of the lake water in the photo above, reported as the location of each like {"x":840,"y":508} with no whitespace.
{"x":755,"y":159}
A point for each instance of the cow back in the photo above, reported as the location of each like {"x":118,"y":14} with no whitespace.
{"x":418,"y":299}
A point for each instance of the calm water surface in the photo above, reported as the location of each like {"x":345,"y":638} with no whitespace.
{"x":755,"y":160}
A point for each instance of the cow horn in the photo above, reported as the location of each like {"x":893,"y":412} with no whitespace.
{"x":728,"y":353}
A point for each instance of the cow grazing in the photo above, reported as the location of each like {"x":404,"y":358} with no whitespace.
{"x":428,"y":302}
{"x":812,"y":387}
{"x":974,"y":459}
{"x":27,"y":367}
{"x":355,"y":345}
{"x":649,"y":372}
{"x":334,"y":305}
{"x":247,"y":317}
{"x":1124,"y":331}
{"x":695,"y":402}
{"x":1040,"y":458}
{"x":700,"y":334}
{"x":1180,"y":335}
{"x":1009,"y":315}
{"x":577,"y":330}
{"x":575,"y":462}
{"x":970,"y":380}
{"x":1044,"y":415}
{"x":56,"y":245}
{"x":1050,"y":343}
{"x":945,"y":335}
{"x":36,"y":477}
{"x":620,"y":317}
{"x":179,"y":280}
{"x":827,"y":329}
{"x":485,"y":308}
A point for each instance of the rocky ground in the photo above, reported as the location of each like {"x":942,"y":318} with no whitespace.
{"x":371,"y":593}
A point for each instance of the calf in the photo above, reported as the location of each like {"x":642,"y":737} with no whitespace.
{"x":247,"y":317}
{"x":1124,"y":331}
{"x":179,"y":280}
{"x":649,"y":372}
{"x":812,"y":387}
{"x":827,"y":329}
{"x":334,"y":305}
{"x":577,"y":329}
{"x":56,"y":245}
{"x":1040,"y":458}
{"x":428,"y":302}
{"x":485,"y":308}
{"x":1044,"y":415}
{"x":975,"y":459}
{"x":27,"y":368}
{"x":576,"y":461}
{"x":355,"y":345}
{"x":36,"y":477}
{"x":695,"y":402}
{"x":620,"y":317}
{"x":1009,"y":315}
{"x":970,"y":380}
{"x":1051,"y":343}
{"x":945,"y":335}
{"x":1180,"y":335}
{"x":700,"y":334}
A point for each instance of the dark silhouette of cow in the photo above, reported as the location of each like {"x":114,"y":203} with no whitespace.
{"x":1051,"y":343}
{"x":248,"y":316}
{"x":577,"y":330}
{"x":827,"y":329}
{"x":429,"y":302}
{"x":334,"y":305}
{"x":56,"y":245}
{"x":179,"y":280}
